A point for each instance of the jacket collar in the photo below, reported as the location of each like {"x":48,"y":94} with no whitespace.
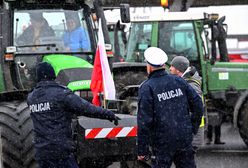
{"x":194,"y":76}
{"x":157,"y":73}
{"x":46,"y":83}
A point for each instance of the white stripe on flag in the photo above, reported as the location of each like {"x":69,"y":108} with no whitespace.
{"x":108,"y":82}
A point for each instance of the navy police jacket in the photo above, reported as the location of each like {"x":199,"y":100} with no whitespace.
{"x":52,"y":107}
{"x":164,"y":121}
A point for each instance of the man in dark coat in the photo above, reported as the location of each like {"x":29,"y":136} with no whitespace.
{"x":38,"y":28}
{"x":164,"y":121}
{"x":52,"y":107}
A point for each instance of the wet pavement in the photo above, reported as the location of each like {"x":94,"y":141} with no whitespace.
{"x":233,"y":154}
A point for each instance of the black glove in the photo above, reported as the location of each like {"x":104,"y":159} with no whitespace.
{"x":115,"y":120}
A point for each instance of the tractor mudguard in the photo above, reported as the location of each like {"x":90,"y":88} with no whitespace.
{"x":238,"y":106}
{"x":101,"y":138}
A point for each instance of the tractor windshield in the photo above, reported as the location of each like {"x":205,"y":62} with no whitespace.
{"x":175,"y":38}
{"x":139,"y":40}
{"x":50,"y":31}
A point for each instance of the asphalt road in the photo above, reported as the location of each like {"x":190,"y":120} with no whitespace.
{"x":233,"y":154}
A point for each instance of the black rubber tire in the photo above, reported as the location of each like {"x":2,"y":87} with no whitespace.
{"x":130,"y":106}
{"x":16,"y":135}
{"x":127,"y":78}
{"x":243,"y":123}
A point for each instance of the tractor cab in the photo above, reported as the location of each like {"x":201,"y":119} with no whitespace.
{"x":61,"y":32}
{"x":49,"y":31}
{"x":174,"y":37}
{"x":58,"y":32}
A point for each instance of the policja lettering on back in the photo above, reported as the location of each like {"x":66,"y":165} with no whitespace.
{"x":40,"y":107}
{"x":170,"y":94}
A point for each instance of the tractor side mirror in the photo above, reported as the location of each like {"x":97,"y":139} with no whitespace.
{"x":125,"y":13}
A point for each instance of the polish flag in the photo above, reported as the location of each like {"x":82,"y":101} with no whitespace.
{"x":101,"y":80}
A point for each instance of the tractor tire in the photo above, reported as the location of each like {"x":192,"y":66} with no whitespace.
{"x":127,"y":78}
{"x":243,"y":123}
{"x":131,"y":106}
{"x":124,"y":79}
{"x":16,"y":135}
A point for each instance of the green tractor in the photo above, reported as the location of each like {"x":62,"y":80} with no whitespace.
{"x":73,"y":69}
{"x":195,"y":36}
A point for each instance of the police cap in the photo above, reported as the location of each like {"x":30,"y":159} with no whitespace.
{"x":155,"y":56}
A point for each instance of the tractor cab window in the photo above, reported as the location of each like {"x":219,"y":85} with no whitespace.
{"x":50,"y":31}
{"x":177,"y":38}
{"x":139,"y":41}
{"x":118,"y":39}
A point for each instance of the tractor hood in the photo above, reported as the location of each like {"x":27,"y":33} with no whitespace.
{"x":71,"y":71}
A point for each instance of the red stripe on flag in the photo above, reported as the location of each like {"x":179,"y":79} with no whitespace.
{"x":133,"y":132}
{"x":113,"y":132}
{"x":96,"y":84}
{"x":93,"y":133}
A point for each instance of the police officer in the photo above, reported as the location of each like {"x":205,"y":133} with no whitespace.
{"x":180,"y":66}
{"x":164,"y":122}
{"x":52,"y":107}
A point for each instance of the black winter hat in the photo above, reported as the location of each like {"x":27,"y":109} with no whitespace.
{"x":44,"y":71}
{"x":180,"y":63}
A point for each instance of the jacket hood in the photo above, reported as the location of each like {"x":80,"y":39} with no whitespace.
{"x":193,"y":74}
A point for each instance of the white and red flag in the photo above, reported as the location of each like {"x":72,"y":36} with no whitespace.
{"x":101,"y":80}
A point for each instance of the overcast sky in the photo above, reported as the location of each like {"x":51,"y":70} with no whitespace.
{"x":236,"y":16}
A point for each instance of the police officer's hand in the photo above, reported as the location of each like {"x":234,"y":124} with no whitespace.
{"x":115,"y":120}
